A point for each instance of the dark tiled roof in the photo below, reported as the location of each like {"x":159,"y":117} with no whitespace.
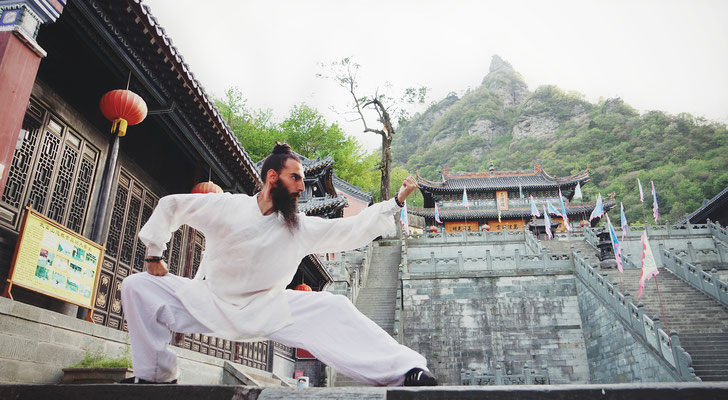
{"x":352,"y":190}
{"x":701,"y":214}
{"x":501,"y":180}
{"x":577,"y":210}
{"x":149,"y":45}
{"x":322,"y":205}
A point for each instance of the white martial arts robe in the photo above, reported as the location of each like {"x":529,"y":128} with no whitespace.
{"x":239,"y":291}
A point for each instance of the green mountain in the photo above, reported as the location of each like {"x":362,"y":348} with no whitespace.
{"x":502,"y":121}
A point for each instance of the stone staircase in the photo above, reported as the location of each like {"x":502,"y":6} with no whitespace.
{"x":377,"y":297}
{"x":562,"y":244}
{"x":700,"y":321}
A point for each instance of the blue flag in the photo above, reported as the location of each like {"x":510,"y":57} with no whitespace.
{"x":403,"y":218}
{"x":598,"y":209}
{"x":534,"y":210}
{"x":624,"y":221}
{"x":547,"y":223}
{"x":520,"y":191}
{"x":563,"y":212}
{"x":437,"y":213}
{"x":615,"y":244}
{"x":465,"y":198}
{"x":552,"y":209}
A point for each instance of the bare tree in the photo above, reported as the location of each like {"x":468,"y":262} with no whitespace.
{"x":344,"y":72}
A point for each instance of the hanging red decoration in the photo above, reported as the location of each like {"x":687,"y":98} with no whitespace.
{"x":206,"y":187}
{"x":433,"y":229}
{"x":486,"y":227}
{"x":303,"y":287}
{"x":123,"y":107}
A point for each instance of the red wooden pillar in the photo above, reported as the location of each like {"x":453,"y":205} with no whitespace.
{"x":20,"y":57}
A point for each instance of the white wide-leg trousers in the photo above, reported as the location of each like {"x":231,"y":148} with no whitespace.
{"x":327,"y":325}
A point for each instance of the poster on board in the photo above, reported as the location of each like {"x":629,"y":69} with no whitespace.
{"x":53,"y":260}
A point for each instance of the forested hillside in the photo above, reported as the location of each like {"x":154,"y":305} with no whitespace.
{"x":503,"y":122}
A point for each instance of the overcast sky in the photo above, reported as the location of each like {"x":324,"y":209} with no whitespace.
{"x":656,"y":55}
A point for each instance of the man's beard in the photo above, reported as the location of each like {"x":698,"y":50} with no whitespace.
{"x":287,"y":204}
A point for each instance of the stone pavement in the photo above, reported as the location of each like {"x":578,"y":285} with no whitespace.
{"x":647,"y":391}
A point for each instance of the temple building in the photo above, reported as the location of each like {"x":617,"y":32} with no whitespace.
{"x":57,"y":60}
{"x":500,"y":199}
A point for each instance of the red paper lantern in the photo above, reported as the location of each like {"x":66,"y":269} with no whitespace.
{"x":433,"y":229}
{"x":206,"y":187}
{"x":486,"y":227}
{"x":123,"y":107}
{"x":303,"y":287}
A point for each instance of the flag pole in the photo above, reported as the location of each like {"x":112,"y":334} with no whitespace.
{"x":659,"y":298}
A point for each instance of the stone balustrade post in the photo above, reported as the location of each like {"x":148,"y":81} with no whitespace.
{"x":498,"y":375}
{"x":488,"y":260}
{"x":517,"y":257}
{"x":692,"y":256}
{"x":433,"y":262}
{"x":461,"y":262}
{"x":527,"y":378}
{"x":722,"y":250}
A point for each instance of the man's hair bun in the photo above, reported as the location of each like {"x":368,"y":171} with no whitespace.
{"x":282,"y":148}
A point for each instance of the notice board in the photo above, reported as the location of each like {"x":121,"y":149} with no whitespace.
{"x":53,"y":260}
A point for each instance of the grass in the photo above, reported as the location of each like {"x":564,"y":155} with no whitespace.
{"x":100,"y":360}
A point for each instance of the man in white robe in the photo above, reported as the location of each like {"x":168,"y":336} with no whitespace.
{"x":253,"y":249}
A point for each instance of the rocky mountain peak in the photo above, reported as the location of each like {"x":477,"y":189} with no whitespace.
{"x":504,"y":81}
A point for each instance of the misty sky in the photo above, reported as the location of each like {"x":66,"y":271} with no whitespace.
{"x":656,"y":55}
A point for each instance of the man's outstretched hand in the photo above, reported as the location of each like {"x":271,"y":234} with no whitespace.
{"x":158,"y":268}
{"x":408,"y":186}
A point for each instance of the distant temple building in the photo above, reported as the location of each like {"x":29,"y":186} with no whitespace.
{"x":509,"y":191}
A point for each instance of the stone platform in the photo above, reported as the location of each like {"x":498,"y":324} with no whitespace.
{"x":647,"y":391}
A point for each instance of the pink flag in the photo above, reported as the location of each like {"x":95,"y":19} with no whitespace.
{"x":655,"y":213}
{"x":642,"y":194}
{"x":649,"y":266}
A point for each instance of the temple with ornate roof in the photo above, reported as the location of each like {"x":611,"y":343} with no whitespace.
{"x":507,"y":190}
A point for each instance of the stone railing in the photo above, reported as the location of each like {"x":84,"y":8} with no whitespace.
{"x":719,"y":232}
{"x":544,"y":261}
{"x":429,"y":238}
{"x":666,"y":231}
{"x":633,"y":317}
{"x":481,"y":378}
{"x":533,"y":243}
{"x":696,"y":277}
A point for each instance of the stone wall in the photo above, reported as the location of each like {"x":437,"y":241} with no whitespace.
{"x":36,"y":344}
{"x":614,"y":355}
{"x":475,"y":323}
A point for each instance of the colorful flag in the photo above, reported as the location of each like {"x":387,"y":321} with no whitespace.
{"x":615,"y":245}
{"x":552,"y":209}
{"x":404,"y":219}
{"x":534,"y":210}
{"x":547,"y":223}
{"x":649,"y":266}
{"x":577,"y":192}
{"x":437,"y":213}
{"x":598,"y":209}
{"x":497,"y":205}
{"x":465,"y":198}
{"x":655,"y":212}
{"x":642,"y":194}
{"x":564,"y":216}
{"x":624,"y":221}
{"x":520,"y":191}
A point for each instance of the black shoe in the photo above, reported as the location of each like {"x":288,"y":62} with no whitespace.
{"x":419,"y":377}
{"x":134,"y":379}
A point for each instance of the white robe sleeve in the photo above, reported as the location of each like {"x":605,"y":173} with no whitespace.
{"x":341,"y":234}
{"x":200,"y":211}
